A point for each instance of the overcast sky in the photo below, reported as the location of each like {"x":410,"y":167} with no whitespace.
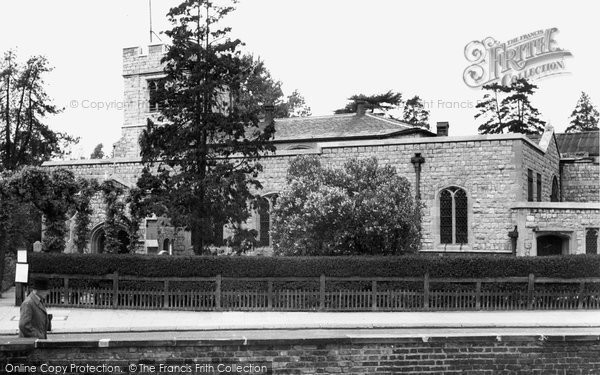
{"x":326,"y":49}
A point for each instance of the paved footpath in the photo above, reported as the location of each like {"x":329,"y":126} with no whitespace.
{"x":74,"y":320}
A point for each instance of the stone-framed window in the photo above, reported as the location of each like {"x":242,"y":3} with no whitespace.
{"x":538,"y":182}
{"x":555,"y":196}
{"x":454,"y":223}
{"x":265,"y":205}
{"x":591,"y":240}
{"x":529,"y":185}
{"x":155,"y":89}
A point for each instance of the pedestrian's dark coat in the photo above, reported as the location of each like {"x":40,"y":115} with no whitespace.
{"x":34,"y":318}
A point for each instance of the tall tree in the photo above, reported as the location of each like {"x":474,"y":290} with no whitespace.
{"x":385,"y":102}
{"x":415,"y":113}
{"x":584,"y":117}
{"x":295,"y":106}
{"x":24,"y":137}
{"x":204,"y":156}
{"x":97,"y":153}
{"x":491,"y":111}
{"x":521,"y":116}
{"x":514,"y":113}
{"x":267,"y":91}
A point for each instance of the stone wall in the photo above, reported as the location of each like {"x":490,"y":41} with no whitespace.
{"x":566,"y":219}
{"x":580,"y":180}
{"x":489,"y":168}
{"x":545,"y":163}
{"x":139,"y":66}
{"x":470,"y":355}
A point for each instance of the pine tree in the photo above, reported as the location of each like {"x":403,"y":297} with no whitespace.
{"x":384,"y":102}
{"x":508,"y":109}
{"x":584,"y":117}
{"x":204,"y":153}
{"x":490,"y":110}
{"x":520,"y":115}
{"x":415,"y":113}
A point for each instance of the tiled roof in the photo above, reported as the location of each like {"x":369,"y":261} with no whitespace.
{"x":577,"y":143}
{"x":571,"y":144}
{"x":338,"y":126}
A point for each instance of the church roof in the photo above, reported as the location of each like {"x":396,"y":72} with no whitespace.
{"x":579,"y":143}
{"x":575,"y":144}
{"x":340,"y":126}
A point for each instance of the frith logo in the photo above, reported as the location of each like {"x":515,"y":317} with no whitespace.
{"x":533,"y":56}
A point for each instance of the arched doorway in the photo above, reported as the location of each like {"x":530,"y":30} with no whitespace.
{"x":98,"y":240}
{"x":552,"y":244}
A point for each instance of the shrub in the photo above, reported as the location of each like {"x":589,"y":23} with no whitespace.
{"x":377,"y":266}
{"x":361,"y":209}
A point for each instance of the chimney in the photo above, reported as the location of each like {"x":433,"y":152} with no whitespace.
{"x":269,"y":113}
{"x":442,"y":129}
{"x":360,"y":108}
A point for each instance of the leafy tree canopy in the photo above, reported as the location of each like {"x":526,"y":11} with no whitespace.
{"x":24,"y":137}
{"x":97,"y":153}
{"x":362,"y":209}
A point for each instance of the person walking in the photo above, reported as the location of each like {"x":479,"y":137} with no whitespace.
{"x":34,"y":320}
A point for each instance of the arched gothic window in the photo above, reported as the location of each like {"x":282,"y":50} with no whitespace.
{"x":454,"y":225}
{"x":555,"y":196}
{"x":155,"y":91}
{"x":591,"y":241}
{"x":265,"y":206}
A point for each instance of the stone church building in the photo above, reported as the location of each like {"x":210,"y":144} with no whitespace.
{"x":500,"y":194}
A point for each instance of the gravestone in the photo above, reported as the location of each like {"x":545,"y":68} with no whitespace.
{"x":37,"y":247}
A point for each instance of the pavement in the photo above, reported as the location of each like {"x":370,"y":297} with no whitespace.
{"x":72,"y":321}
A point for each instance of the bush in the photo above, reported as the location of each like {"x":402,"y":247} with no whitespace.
{"x":363,"y":208}
{"x":378,"y":266}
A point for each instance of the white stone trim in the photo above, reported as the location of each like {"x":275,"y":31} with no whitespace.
{"x":404,"y":141}
{"x":57,"y":163}
{"x":557,"y":205}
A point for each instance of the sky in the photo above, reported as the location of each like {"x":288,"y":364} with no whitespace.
{"x":327,"y":49}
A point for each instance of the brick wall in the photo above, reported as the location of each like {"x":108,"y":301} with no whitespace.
{"x":581,"y":181}
{"x":482,"y":355}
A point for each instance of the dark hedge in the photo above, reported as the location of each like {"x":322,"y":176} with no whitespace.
{"x":242,"y":266}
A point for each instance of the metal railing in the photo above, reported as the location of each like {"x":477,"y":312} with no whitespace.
{"x":323,"y":293}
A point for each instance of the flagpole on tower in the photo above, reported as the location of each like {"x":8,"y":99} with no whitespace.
{"x":150,"y":15}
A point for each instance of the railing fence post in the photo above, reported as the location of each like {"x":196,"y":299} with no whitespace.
{"x":66,"y":291}
{"x":426,"y":291}
{"x":218,"y":292}
{"x":374,"y":295}
{"x":530,"y":289}
{"x":580,"y":296}
{"x":322,"y":293}
{"x":270,"y":295}
{"x":478,"y":296}
{"x":167,"y":300}
{"x":115,"y":279}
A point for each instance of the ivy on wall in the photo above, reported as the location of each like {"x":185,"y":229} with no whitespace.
{"x":115,"y":220}
{"x":83,"y":208}
{"x":50,"y":193}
